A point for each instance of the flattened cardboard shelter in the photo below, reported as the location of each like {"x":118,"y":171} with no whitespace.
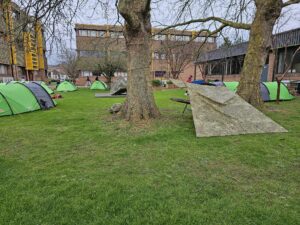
{"x":220,"y":112}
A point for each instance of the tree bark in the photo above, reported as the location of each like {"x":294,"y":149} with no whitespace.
{"x":267,"y":12}
{"x":139,"y":103}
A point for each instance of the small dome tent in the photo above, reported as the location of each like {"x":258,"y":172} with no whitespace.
{"x":98,"y":85}
{"x":66,"y":86}
{"x":16,"y":98}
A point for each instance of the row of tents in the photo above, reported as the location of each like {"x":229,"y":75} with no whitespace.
{"x":67,"y":86}
{"x":17,"y":97}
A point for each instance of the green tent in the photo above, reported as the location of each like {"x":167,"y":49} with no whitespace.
{"x":98,"y":85}
{"x":16,"y":98}
{"x":66,"y":86}
{"x":232,"y":86}
{"x":284,"y":92}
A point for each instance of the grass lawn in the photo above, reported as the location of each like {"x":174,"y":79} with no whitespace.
{"x":75,"y":165}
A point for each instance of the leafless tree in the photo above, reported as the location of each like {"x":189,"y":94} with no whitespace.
{"x":69,"y":63}
{"x":111,"y":64}
{"x":178,"y":56}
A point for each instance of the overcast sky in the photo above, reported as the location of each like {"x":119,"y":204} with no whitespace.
{"x":163,"y":13}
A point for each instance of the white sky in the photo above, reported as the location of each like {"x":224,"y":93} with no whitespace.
{"x":164,"y":13}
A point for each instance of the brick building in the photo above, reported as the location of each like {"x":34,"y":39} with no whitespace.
{"x":226,"y":63}
{"x":22,"y":45}
{"x":95,"y":42}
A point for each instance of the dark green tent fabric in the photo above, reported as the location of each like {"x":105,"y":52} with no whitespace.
{"x":16,"y":99}
{"x":284,"y":92}
{"x":66,"y":86}
{"x":98,"y":85}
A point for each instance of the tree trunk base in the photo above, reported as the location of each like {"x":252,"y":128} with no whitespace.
{"x":251,"y":94}
{"x":139,"y":113}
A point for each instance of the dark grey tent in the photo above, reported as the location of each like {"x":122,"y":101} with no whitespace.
{"x":265,"y":94}
{"x":44,"y":99}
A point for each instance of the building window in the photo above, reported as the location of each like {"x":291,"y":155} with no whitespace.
{"x":101,"y":33}
{"x":163,"y":56}
{"x":3,"y":69}
{"x":93,"y":33}
{"x":159,"y":73}
{"x":86,"y":73}
{"x":160,"y":37}
{"x":296,"y":63}
{"x":203,"y":39}
{"x":200,"y":39}
{"x":210,"y":40}
{"x":284,"y":59}
{"x":172,"y":38}
{"x":182,"y":38}
{"x":83,"y":33}
{"x":115,"y":34}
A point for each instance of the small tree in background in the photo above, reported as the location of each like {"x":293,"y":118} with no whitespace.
{"x":178,"y":56}
{"x":111,"y":64}
{"x":69,"y":62}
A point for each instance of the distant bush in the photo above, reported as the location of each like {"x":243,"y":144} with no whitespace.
{"x":156,"y":83}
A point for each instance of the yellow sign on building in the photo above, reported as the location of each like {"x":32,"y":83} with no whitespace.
{"x":40,"y":49}
{"x":31,"y":57}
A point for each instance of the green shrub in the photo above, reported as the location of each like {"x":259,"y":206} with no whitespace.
{"x":156,"y":83}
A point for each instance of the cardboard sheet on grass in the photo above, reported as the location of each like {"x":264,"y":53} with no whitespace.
{"x":220,"y":112}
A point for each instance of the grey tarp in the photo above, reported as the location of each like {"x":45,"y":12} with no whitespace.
{"x":220,"y":112}
{"x":41,"y":95}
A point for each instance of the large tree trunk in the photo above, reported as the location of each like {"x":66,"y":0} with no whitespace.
{"x":267,"y":12}
{"x":139,"y":102}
